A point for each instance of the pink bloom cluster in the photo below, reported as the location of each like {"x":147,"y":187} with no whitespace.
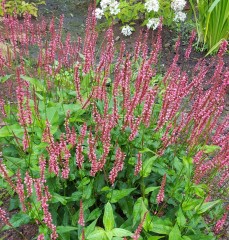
{"x":3,"y":217}
{"x":137,"y":232}
{"x":161,"y":194}
{"x":118,"y":165}
{"x":220,"y":223}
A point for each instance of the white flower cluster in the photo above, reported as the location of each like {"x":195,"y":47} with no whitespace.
{"x":178,"y":6}
{"x":179,"y":17}
{"x":99,"y":13}
{"x":152,"y":5}
{"x":153,"y":23}
{"x":127,"y":30}
{"x":114,"y":8}
{"x":112,"y":5}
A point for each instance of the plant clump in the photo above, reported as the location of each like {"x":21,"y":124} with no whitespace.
{"x":111,"y":149}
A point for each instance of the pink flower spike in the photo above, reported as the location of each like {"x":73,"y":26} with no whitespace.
{"x":161,"y":194}
{"x":41,"y":237}
{"x":3,"y":217}
{"x":220,"y":223}
{"x":81,"y":215}
{"x":139,"y":228}
{"x":189,"y":49}
{"x":138,"y":166}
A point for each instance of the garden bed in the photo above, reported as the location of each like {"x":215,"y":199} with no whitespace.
{"x":169,"y":38}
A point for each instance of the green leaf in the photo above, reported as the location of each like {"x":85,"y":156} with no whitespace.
{"x":175,"y":233}
{"x":94,"y":214}
{"x":161,"y":226}
{"x":35,"y":82}
{"x":146,"y":149}
{"x":139,"y":210}
{"x":185,"y":238}
{"x":97,"y":234}
{"x":89,"y":229}
{"x":199,"y":236}
{"x":150,"y":189}
{"x":108,"y":217}
{"x":88,"y":191}
{"x":14,"y":203}
{"x":206,"y":206}
{"x":210,"y":148}
{"x":52,"y":115}
{"x":109,"y":235}
{"x":147,"y":166}
{"x":76,"y":196}
{"x":213,"y":6}
{"x":64,"y":229}
{"x":116,"y":195}
{"x":190,"y":204}
{"x":155,"y":237}
{"x":17,"y":220}
{"x":5,"y":78}
{"x":9,"y":131}
{"x":188,"y":162}
{"x":120,"y":232}
{"x":58,"y":198}
{"x":181,"y":220}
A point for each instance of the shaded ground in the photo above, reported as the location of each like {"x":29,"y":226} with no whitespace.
{"x":75,"y":16}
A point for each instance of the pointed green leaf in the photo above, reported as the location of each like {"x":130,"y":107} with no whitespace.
{"x":9,"y":131}
{"x":150,"y":189}
{"x":17,"y":220}
{"x":116,"y":195}
{"x":89,"y":229}
{"x":64,"y":229}
{"x":175,"y":233}
{"x":181,"y":220}
{"x":108,"y":217}
{"x":120,"y":232}
{"x":35,"y":82}
{"x":147,"y":166}
{"x":97,"y":234}
{"x":206,"y":206}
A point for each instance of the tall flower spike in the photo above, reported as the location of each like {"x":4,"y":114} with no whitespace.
{"x":139,"y":228}
{"x":138,"y":165}
{"x":118,"y":165}
{"x":41,"y":237}
{"x":220,"y":223}
{"x":20,"y":191}
{"x":189,"y":49}
{"x":5,"y":175}
{"x":4,"y":218}
{"x":161,"y":194}
{"x":81,"y":215}
{"x":29,"y":184}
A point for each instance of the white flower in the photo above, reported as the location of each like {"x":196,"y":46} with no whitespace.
{"x":127,"y":30}
{"x":179,"y":17}
{"x":114,"y":8}
{"x":99,"y":13}
{"x":104,"y":4}
{"x":178,"y":5}
{"x":153,"y":22}
{"x":152,"y":5}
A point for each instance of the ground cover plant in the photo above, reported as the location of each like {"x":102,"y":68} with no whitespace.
{"x":19,"y":7}
{"x":102,"y":146}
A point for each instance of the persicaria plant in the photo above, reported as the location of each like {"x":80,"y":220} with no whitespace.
{"x":109,"y":148}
